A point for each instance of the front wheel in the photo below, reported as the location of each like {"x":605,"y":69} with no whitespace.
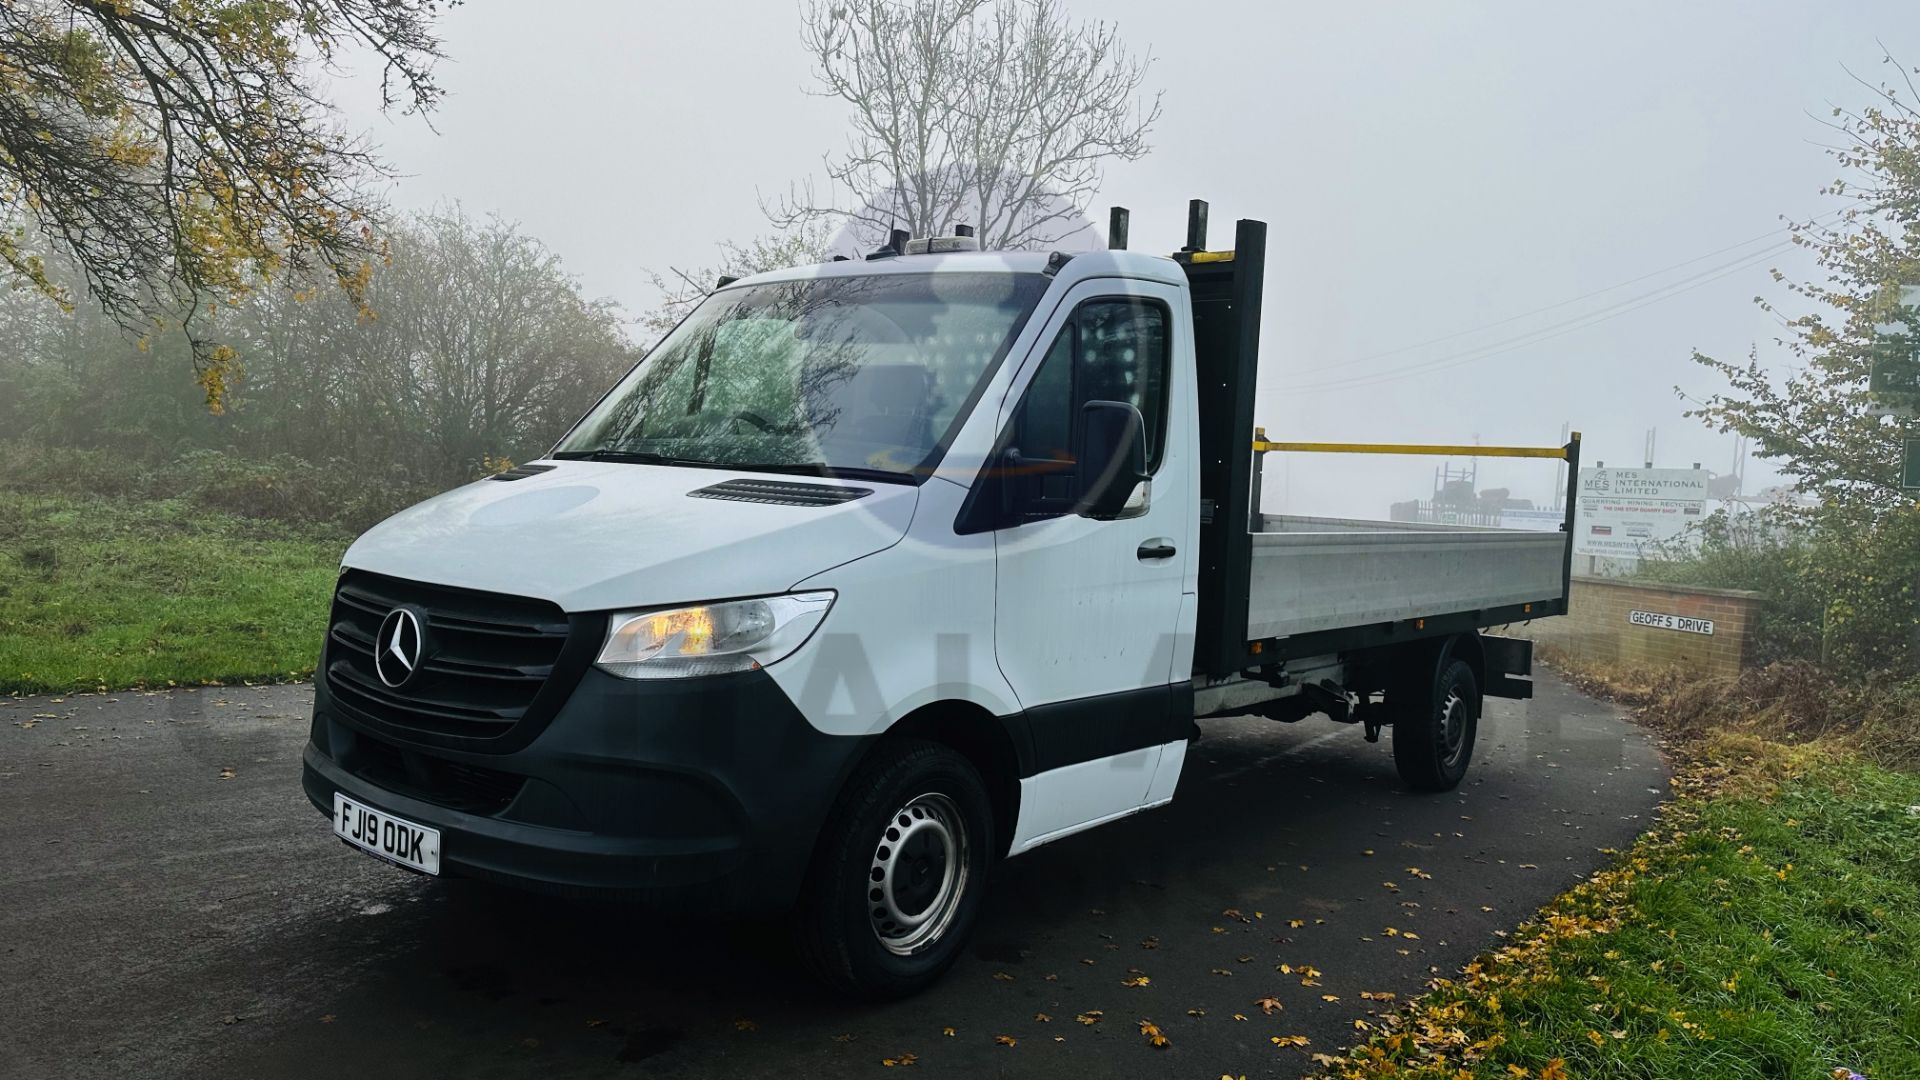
{"x":1434,"y":728}
{"x":896,"y":882}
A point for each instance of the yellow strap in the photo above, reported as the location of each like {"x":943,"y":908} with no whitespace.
{"x":1261,"y":446}
{"x":1209,"y":256}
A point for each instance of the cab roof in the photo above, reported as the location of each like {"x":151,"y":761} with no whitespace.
{"x":1079,"y":265}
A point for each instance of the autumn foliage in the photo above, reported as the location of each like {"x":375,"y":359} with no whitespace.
{"x":179,"y":152}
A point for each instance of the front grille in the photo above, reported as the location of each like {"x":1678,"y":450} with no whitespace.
{"x":458,"y":786}
{"x":486,"y":669}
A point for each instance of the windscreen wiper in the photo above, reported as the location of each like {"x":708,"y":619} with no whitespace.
{"x":814,"y":468}
{"x":633,"y":457}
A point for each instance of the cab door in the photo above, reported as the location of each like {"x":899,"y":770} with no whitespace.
{"x":1088,"y":612}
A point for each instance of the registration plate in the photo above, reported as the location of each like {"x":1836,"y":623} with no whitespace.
{"x":396,"y":840}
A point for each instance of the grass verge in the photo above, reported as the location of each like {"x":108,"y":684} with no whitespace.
{"x":1768,"y":927}
{"x":103,"y":593}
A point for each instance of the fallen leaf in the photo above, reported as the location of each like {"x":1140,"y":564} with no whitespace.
{"x":745,"y":1025}
{"x":1137,"y":980}
{"x":1006,"y":1040}
{"x":947,"y":1031}
{"x":1196,"y":1012}
{"x":1154,"y":1035}
{"x":1221,"y":971}
{"x":1289,"y":1040}
{"x":1329,"y":997}
{"x":1003,"y":976}
{"x":1269,"y":1005}
{"x":1090,"y":1017}
{"x":903,"y":1059}
{"x":1239,"y":1016}
{"x":327,"y":1019}
{"x":1296,"y":923}
{"x":1043,"y":1018}
{"x":227,"y":773}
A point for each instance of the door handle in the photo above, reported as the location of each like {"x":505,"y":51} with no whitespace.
{"x":1157,"y":548}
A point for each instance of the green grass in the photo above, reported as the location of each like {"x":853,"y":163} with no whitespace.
{"x":1764,"y":930}
{"x":113,"y":593}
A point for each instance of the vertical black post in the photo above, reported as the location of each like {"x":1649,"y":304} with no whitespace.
{"x":1226,"y":332}
{"x":1572,"y":519}
{"x":1196,"y":226}
{"x":1117,"y":229}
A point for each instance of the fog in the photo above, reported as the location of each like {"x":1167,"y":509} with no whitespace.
{"x":1570,"y":200}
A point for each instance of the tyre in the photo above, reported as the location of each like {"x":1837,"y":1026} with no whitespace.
{"x":1434,"y":728}
{"x":898,"y":874}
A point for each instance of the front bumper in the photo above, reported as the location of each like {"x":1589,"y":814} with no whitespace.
{"x":698,"y":794}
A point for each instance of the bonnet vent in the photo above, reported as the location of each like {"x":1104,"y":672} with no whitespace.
{"x":521,"y":472}
{"x":780,"y":493}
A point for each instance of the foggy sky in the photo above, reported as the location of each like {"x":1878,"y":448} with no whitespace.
{"x":1425,"y":169}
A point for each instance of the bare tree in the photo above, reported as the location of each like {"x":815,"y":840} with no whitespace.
{"x":481,"y":345}
{"x":682,"y":289}
{"x":1000,"y":114}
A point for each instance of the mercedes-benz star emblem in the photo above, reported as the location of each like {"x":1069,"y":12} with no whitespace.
{"x":397,"y":648}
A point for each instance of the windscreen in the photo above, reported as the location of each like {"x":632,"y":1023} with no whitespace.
{"x":856,"y":375}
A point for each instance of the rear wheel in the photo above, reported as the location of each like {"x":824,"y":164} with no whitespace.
{"x":1434,"y":727}
{"x":896,"y":882}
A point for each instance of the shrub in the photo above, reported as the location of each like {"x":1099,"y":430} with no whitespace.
{"x":1839,"y":583}
{"x":288,"y":488}
{"x":281,"y":487}
{"x":51,"y":470}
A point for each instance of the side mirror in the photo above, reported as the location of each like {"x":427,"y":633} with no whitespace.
{"x":1112,"y":457}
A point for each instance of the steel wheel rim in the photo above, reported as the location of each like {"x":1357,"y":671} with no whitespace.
{"x":1453,"y":726}
{"x":918,"y":874}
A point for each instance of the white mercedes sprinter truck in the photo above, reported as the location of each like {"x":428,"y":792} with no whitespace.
{"x":874,"y":573}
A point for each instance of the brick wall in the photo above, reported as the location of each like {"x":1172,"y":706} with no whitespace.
{"x":1597,"y":628}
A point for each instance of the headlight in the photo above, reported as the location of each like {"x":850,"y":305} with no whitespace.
{"x":737,"y":635}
